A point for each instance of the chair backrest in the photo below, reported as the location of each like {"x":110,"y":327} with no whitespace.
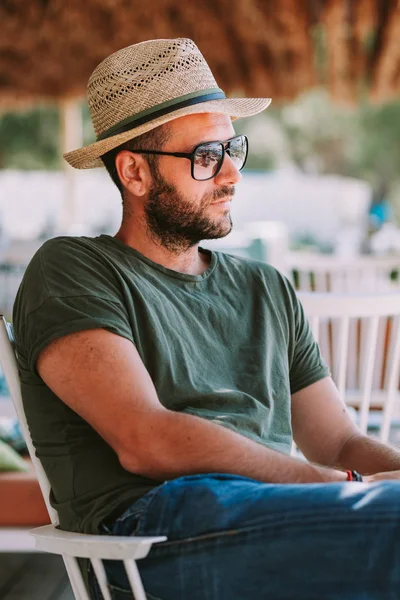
{"x":311,"y":271}
{"x":10,"y":368}
{"x":329,"y":273}
{"x":333,"y":317}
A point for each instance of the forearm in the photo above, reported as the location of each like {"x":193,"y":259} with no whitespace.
{"x":178,"y":444}
{"x":367,"y":456}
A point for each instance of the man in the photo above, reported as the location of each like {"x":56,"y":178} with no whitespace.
{"x":162,"y":382}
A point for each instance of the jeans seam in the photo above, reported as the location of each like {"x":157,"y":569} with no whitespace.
{"x":257,"y":528}
{"x":231,"y":537}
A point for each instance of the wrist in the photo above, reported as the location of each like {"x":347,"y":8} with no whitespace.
{"x":328,"y":475}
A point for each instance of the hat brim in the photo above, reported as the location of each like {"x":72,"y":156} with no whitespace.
{"x":88,"y":157}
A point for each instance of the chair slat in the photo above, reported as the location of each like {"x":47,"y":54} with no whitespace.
{"x":342,"y":352}
{"x":134,"y":579}
{"x":392,"y":378}
{"x":305,"y":281}
{"x":75,"y":577}
{"x":383,"y":326}
{"x":101,"y":576}
{"x":352,"y":362}
{"x":366,"y":382}
{"x":315,"y":328}
{"x":320,"y":282}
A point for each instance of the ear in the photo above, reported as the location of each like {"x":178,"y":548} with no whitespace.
{"x":133,"y":171}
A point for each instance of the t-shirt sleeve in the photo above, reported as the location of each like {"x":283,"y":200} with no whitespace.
{"x":306,"y":365}
{"x":66,"y":288}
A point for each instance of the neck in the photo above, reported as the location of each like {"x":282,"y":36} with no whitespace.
{"x":183,"y":260}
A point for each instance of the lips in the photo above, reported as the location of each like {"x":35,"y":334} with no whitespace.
{"x":223,"y":201}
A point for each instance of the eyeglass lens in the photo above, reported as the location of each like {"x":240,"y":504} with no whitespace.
{"x":208,"y":157}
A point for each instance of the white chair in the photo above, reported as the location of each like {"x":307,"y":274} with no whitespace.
{"x":336,"y":312}
{"x":316,"y":272}
{"x":72,"y":545}
{"x":311,"y":271}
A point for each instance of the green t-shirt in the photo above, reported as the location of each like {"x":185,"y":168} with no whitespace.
{"x":230,"y":345}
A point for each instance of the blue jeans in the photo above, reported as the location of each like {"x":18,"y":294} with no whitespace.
{"x":234,"y":538}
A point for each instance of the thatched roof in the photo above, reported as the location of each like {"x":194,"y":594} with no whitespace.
{"x":277,"y":48}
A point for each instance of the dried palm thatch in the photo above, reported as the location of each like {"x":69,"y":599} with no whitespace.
{"x":277,"y":48}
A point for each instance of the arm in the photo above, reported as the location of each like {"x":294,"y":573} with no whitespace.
{"x":366,"y":455}
{"x":326,"y":434}
{"x":101,"y":377}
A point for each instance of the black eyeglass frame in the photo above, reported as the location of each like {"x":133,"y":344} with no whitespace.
{"x":191,"y":155}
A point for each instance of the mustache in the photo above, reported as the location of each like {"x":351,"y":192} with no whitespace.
{"x":222,"y":192}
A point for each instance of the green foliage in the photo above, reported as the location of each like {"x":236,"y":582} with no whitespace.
{"x":361,"y":142}
{"x":262,"y":156}
{"x":30,"y":140}
{"x":88,"y":132}
{"x":378,"y":148}
{"x":319,"y":135}
{"x":260,"y":162}
{"x":325,"y":138}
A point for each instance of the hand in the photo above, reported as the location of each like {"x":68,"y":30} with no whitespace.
{"x":381,"y":476}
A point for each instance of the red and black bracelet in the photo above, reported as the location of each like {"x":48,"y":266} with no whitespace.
{"x":354,"y":476}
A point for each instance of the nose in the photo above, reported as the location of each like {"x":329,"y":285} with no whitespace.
{"x":229,"y":173}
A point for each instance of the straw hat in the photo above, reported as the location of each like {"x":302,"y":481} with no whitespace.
{"x":145,"y":85}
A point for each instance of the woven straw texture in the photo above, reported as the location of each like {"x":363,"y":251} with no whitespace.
{"x":143,"y":76}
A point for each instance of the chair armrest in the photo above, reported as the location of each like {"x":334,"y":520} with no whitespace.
{"x":83,"y":545}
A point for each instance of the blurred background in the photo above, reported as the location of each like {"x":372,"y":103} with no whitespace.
{"x":320,"y":196}
{"x":323,"y":173}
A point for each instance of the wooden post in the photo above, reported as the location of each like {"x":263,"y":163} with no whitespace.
{"x":71,"y":138}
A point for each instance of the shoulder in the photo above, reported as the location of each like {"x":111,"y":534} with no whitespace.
{"x":266,"y":275}
{"x":62,"y":255}
{"x":63,"y":247}
{"x":64,"y":267}
{"x":67,"y":247}
{"x":67,"y":287}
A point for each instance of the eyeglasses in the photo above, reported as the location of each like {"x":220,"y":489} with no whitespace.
{"x":207,"y":159}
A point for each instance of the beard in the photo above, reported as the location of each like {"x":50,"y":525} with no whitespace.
{"x":178,"y":223}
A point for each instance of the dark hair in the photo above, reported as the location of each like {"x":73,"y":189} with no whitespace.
{"x":152,"y":140}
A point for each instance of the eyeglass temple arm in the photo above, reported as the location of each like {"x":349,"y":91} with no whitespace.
{"x":225,"y":145}
{"x":178,"y":154}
